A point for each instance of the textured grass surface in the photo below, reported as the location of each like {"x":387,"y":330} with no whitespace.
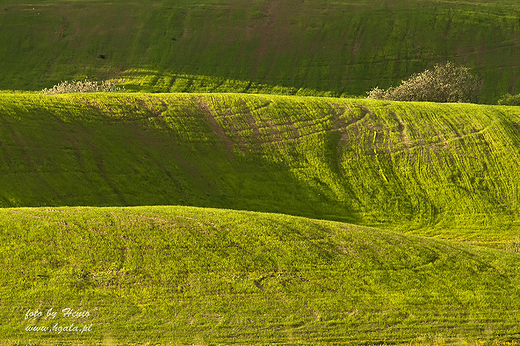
{"x":206,"y":276}
{"x":438,"y":170}
{"x":426,"y":184}
{"x":193,"y":274}
{"x":311,"y":47}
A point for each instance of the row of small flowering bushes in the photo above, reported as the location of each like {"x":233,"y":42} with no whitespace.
{"x":85,"y":86}
{"x":445,"y":83}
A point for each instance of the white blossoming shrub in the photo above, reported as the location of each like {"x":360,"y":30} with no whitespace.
{"x":445,"y":83}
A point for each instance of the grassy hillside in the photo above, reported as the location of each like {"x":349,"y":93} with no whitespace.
{"x":307,"y":47}
{"x":447,"y":170}
{"x":200,"y":213}
{"x":154,"y":275}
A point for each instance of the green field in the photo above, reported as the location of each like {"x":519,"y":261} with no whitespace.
{"x":202,"y":276}
{"x":421,"y":244}
{"x":447,"y":170}
{"x":318,"y":47}
{"x":241,"y":190}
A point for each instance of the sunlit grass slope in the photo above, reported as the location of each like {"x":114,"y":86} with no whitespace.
{"x":291,"y":46}
{"x":209,"y":276}
{"x":449,"y":170}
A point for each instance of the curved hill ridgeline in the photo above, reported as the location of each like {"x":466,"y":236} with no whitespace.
{"x":293,"y":46}
{"x":437,"y":169}
{"x":199,"y":275}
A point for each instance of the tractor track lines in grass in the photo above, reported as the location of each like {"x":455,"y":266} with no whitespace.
{"x":251,"y":119}
{"x":229,"y":145}
{"x":398,"y":161}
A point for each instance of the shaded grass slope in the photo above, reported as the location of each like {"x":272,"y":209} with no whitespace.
{"x":307,"y":47}
{"x":447,"y":170}
{"x":207,"y":276}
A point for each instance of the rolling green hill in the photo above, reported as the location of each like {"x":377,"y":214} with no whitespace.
{"x":318,"y":47}
{"x":210,"y":209}
{"x":185,"y":276}
{"x":446,"y":170}
{"x":194,"y":274}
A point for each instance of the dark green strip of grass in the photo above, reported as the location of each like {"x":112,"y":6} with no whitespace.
{"x":317,"y":47}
